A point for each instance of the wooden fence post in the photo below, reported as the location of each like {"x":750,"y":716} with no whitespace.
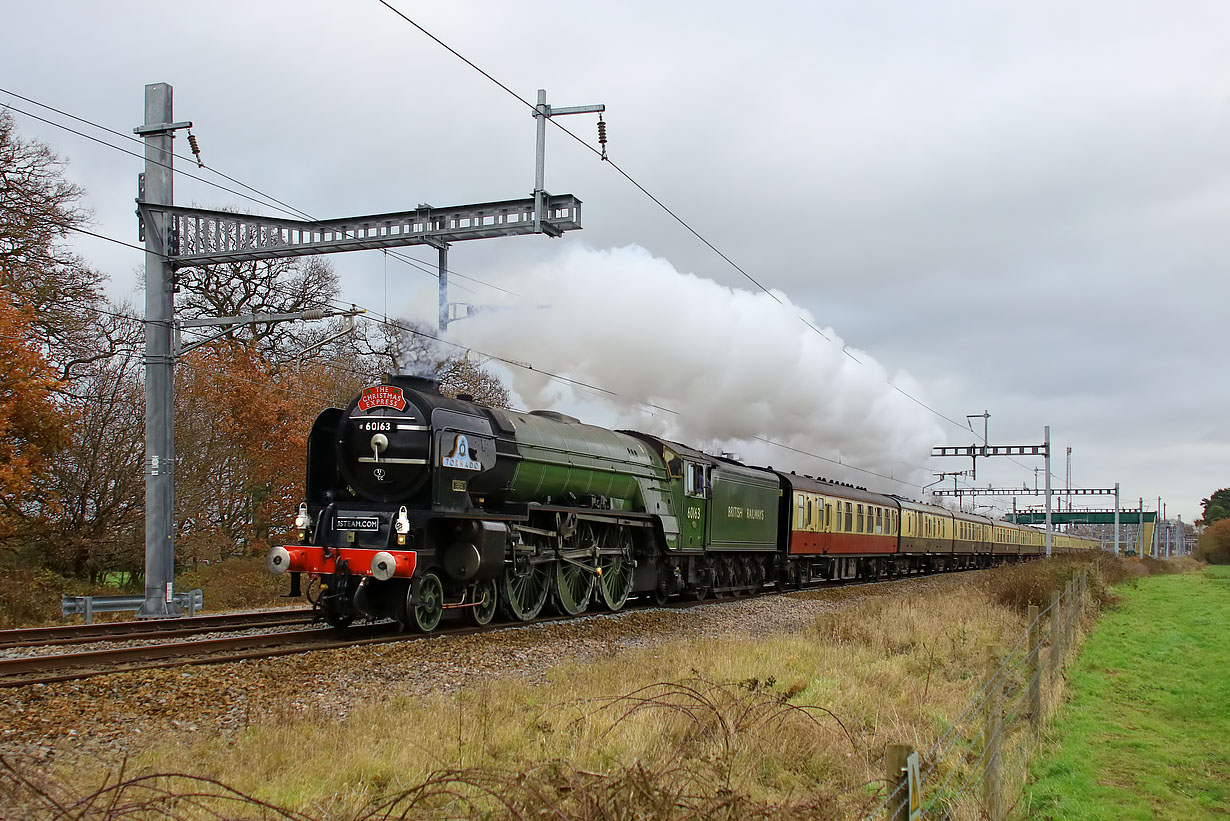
{"x":992,"y":785}
{"x":1035,"y":669}
{"x":1056,"y":634}
{"x":895,"y":757}
{"x":1073,"y":599}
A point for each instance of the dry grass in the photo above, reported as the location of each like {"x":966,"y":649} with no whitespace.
{"x":790,"y":727}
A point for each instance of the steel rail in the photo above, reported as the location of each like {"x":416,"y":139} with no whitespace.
{"x":59,"y":667}
{"x":162,"y":628}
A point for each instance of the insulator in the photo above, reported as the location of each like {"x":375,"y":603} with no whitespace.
{"x":196,"y":149}
{"x":601,"y":132}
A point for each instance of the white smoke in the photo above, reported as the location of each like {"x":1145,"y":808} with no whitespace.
{"x":735,"y":366}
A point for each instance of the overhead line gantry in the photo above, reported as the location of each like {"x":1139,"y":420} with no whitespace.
{"x":177,"y":237}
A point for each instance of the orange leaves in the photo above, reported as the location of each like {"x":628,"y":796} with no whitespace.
{"x":241,"y":434}
{"x":32,"y":428}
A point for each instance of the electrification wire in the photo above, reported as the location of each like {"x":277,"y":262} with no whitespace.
{"x":676,"y":217}
{"x":293,"y":211}
{"x":107,"y":238}
{"x":385,"y":320}
{"x":278,"y":205}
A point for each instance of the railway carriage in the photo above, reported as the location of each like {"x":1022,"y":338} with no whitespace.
{"x":834,"y":531}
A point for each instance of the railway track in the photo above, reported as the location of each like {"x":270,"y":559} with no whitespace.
{"x":151,"y":629}
{"x":59,"y":667}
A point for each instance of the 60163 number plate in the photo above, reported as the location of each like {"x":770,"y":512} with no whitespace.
{"x":369,"y":524}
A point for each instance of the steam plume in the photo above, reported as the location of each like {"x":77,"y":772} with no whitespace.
{"x":735,"y":366}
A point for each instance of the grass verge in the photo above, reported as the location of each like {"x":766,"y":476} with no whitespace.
{"x":1145,"y":732}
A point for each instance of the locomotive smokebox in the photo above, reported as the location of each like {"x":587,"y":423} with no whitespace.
{"x":475,"y":551}
{"x":384,"y":444}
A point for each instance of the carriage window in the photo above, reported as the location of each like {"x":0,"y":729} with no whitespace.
{"x":879,"y":520}
{"x":828,"y":516}
{"x":849,"y":528}
{"x":860,"y":519}
{"x":798,"y":518}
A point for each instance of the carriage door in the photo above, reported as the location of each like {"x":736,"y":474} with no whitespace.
{"x":695,"y":504}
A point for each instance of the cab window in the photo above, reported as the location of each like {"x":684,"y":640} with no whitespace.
{"x":674,"y":465}
{"x":694,"y":483}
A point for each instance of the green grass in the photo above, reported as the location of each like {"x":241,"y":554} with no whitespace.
{"x":1146,"y":732}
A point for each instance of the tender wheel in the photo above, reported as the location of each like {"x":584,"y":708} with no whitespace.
{"x":487,"y":592}
{"x":754,"y":573}
{"x":724,"y":576}
{"x":426,"y":614}
{"x":523,"y":594}
{"x":615,"y":583}
{"x":747,"y":577}
{"x":703,"y":589}
{"x":662,"y":588}
{"x":738,"y":577}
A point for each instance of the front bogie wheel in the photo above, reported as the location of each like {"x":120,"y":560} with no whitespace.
{"x":336,"y":618}
{"x":425,"y":615}
{"x":486,"y":598}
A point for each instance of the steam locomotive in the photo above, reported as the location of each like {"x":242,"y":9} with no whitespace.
{"x":417,"y":504}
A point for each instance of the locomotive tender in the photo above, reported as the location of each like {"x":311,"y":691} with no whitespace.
{"x":418,"y":503}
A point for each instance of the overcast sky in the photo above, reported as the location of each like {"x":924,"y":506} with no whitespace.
{"x":1017,"y":207}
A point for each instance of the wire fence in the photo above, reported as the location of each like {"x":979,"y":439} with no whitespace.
{"x":977,"y":767}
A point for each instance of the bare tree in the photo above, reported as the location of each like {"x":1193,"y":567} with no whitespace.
{"x":279,"y":286}
{"x":398,"y":346}
{"x":460,"y":375}
{"x":38,"y":210}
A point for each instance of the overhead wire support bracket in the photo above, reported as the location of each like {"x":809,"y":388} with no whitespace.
{"x":974,"y":451}
{"x":1016,"y":491}
{"x":227,"y":323}
{"x":201,"y":236}
{"x":543,"y":112}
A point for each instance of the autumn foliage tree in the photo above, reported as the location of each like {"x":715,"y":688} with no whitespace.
{"x":240,"y":439}
{"x":32,"y":427}
{"x":1214,"y":544}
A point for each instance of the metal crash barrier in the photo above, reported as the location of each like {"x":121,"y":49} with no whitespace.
{"x":191,"y":600}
